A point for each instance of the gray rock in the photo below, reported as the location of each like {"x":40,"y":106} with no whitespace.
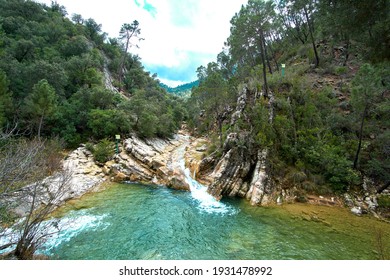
{"x":357,"y":211}
{"x":202,"y":148}
{"x":348,"y":200}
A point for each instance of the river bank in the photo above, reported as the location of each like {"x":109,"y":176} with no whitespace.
{"x":157,"y":162}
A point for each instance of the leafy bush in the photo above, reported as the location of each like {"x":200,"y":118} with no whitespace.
{"x":103,"y":151}
{"x":384,"y":201}
{"x":107,"y":123}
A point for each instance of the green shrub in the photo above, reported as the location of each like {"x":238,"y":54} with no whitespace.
{"x":89,"y":146}
{"x":6,"y":217}
{"x":103,"y":151}
{"x":107,"y":123}
{"x":341,"y":70}
{"x":384,"y":201}
{"x":300,"y":196}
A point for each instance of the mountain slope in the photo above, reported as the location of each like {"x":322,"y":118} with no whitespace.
{"x":182,"y":90}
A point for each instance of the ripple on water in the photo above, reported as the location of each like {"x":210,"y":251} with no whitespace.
{"x":65,"y":228}
{"x":144,"y":222}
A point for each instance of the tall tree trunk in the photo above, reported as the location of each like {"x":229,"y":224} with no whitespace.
{"x":347,"y":53}
{"x":311,"y":31}
{"x":122,"y":65}
{"x":40,"y":127}
{"x":355,"y":162}
{"x":264,"y":64}
{"x":123,"y":60}
{"x":266,"y":57}
{"x":220,"y":121}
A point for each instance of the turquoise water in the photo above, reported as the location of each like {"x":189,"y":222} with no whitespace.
{"x":132,"y":222}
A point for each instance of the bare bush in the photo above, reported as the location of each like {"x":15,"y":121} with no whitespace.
{"x":32,"y":185}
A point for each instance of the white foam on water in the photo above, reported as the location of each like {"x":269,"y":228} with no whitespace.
{"x":70,"y":226}
{"x":207,"y":203}
{"x":56,"y":231}
{"x":8,"y":236}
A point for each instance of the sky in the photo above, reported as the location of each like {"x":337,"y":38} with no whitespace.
{"x":180,"y":35}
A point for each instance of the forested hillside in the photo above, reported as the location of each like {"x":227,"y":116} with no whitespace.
{"x":323,"y":118}
{"x":182,"y":90}
{"x":61,"y":76}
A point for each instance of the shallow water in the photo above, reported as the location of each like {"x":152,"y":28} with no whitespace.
{"x":133,"y":221}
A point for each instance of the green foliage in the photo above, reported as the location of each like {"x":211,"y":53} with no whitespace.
{"x":75,"y":46}
{"x":369,"y":25}
{"x":102,"y":151}
{"x":370,"y":111}
{"x":261,"y":128}
{"x":182,"y":90}
{"x":147,"y":124}
{"x":41,"y":103}
{"x":313,"y":139}
{"x":106,"y":123}
{"x":39,"y":43}
{"x":166,"y":125}
{"x":43,"y":99}
{"x":6,"y":217}
{"x":341,"y":70}
{"x":6,"y":106}
{"x":384,"y":201}
{"x":366,"y":88}
{"x":252,"y":20}
{"x":209,"y":101}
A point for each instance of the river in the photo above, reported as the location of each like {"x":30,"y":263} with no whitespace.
{"x":141,"y":222}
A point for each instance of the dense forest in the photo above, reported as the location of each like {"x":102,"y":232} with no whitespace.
{"x":324,"y":117}
{"x":56,"y":74}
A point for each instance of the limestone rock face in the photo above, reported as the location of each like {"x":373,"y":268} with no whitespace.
{"x":241,"y":171}
{"x":260,"y":190}
{"x":153,"y":161}
{"x":357,"y":211}
{"x":241,"y":174}
{"x":197,"y":161}
{"x":85,"y":175}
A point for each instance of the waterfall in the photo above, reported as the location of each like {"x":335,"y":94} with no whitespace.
{"x":206,"y":202}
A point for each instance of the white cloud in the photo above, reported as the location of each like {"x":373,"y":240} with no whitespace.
{"x":173,"y":32}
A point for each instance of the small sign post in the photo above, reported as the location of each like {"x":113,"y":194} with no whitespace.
{"x":283,"y":68}
{"x":117,"y":138}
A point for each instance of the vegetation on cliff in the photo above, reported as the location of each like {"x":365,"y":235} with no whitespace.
{"x":324,"y":117}
{"x":55,"y":73}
